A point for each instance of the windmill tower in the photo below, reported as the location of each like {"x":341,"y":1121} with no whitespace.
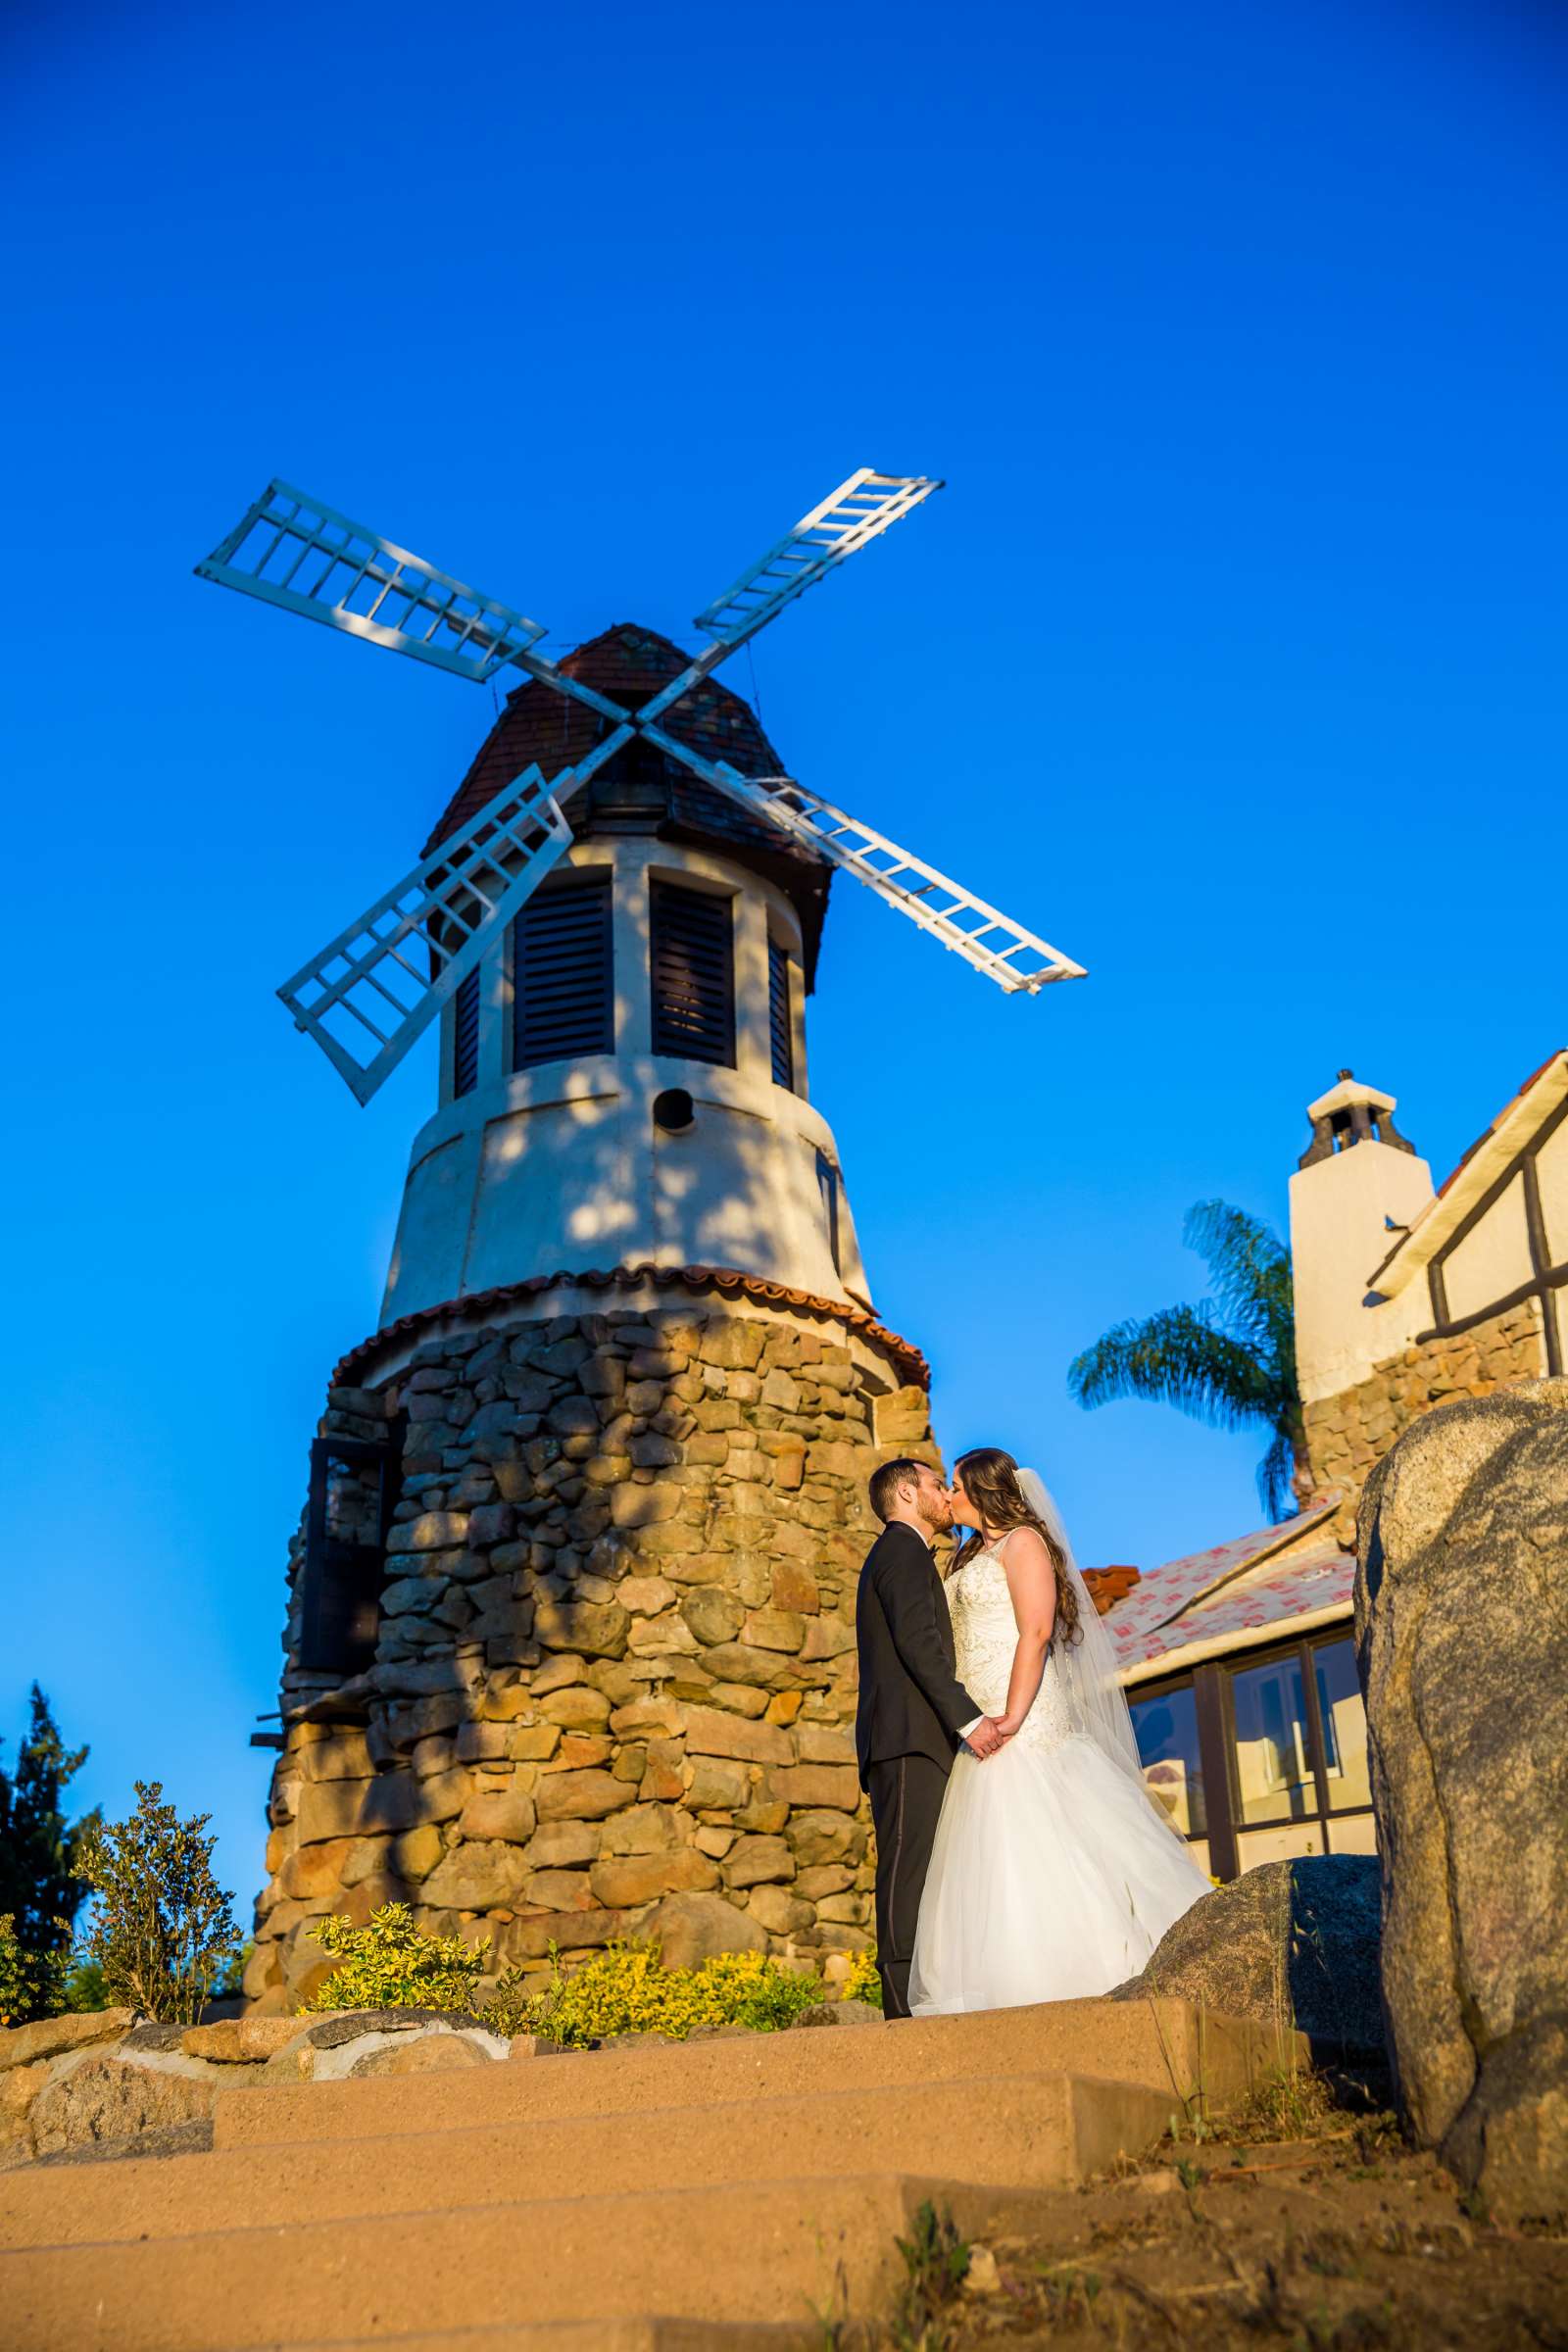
{"x":571,"y":1638}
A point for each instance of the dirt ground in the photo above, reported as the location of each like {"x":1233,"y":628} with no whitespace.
{"x":1322,"y":2232}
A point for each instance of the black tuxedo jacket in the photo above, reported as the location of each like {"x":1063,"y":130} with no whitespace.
{"x":912,"y":1702}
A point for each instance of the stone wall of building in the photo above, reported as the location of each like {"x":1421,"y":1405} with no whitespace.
{"x":614,"y":1689}
{"x":1348,"y":1434}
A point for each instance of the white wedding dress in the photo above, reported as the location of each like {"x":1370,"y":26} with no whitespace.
{"x":1052,"y":1877}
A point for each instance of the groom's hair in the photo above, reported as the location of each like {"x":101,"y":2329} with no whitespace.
{"x":886,"y":1479}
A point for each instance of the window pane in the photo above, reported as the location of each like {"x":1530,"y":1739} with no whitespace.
{"x":827,"y":1182}
{"x":1339,"y":1697}
{"x":345,"y":1564}
{"x":1273,"y":1761}
{"x":1291,"y":1840}
{"x":1166,"y":1729}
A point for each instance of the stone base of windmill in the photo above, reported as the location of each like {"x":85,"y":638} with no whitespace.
{"x":615,"y":1682}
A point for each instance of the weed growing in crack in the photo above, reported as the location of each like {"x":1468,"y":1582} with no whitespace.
{"x":935,"y":2263}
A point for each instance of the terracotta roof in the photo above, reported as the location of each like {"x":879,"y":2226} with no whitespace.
{"x":1167,"y":1592}
{"x":1316,"y":1581}
{"x":1318,"y":1575}
{"x":544,"y":728}
{"x":907,"y":1360}
{"x":1107,"y":1586}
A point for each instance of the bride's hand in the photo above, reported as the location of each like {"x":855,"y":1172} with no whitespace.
{"x":1009,"y":1726}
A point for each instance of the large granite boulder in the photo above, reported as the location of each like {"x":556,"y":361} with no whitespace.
{"x":114,"y":2098}
{"x":1292,"y":1944}
{"x":1462,"y":1612}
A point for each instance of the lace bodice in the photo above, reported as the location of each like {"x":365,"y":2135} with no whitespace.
{"x":985,"y":1634}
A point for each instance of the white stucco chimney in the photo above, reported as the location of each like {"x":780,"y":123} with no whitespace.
{"x":1358,"y":1182}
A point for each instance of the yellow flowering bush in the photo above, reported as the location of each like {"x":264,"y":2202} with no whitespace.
{"x":623,"y":1989}
{"x":390,"y":1963}
{"x":862,"y":1983}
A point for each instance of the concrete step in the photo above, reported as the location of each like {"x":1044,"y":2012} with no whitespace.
{"x":1030,"y":2130}
{"x":590,"y":2336}
{"x":1165,"y":2045}
{"x":586,"y":2335}
{"x":786,"y":2250}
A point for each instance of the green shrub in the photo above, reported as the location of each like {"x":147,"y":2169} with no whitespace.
{"x":162,"y":1927}
{"x":390,"y":1963}
{"x":84,"y":1988}
{"x":747,"y":1988}
{"x":623,"y":1989}
{"x":229,"y":1983}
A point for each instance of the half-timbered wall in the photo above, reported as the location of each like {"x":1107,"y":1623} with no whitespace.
{"x":1510,"y":1253}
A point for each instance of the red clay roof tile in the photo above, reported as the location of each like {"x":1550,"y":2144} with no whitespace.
{"x":725,"y":1279}
{"x":1107,"y":1586}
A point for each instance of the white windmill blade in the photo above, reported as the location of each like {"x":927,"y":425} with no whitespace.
{"x":848,"y":519}
{"x":369,"y":993}
{"x":293,"y":549}
{"x":1016,"y":959}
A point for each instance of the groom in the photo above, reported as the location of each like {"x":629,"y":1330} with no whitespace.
{"x":914,"y":1713}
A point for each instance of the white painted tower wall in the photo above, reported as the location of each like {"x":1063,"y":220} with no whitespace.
{"x":561,"y":1167}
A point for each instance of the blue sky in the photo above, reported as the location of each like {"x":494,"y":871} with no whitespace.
{"x":1231,"y":658}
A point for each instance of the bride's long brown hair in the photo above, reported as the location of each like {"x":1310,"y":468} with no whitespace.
{"x":991,"y":1480}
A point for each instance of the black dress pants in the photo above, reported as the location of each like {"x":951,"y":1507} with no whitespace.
{"x":905,"y":1793}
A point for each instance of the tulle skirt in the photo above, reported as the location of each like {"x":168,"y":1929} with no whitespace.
{"x":1052,"y":1879}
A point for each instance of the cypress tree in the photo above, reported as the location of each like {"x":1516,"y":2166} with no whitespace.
{"x":39,"y":1848}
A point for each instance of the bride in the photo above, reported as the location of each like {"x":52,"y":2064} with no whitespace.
{"x":1053,"y":1875}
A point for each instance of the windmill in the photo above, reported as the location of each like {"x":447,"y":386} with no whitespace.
{"x":372,"y":989}
{"x":611,"y":1432}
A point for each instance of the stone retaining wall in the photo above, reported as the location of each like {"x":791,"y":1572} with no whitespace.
{"x":1348,"y":1435}
{"x":614,"y":1685}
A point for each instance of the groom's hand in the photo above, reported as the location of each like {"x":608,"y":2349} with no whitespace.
{"x":985,"y":1738}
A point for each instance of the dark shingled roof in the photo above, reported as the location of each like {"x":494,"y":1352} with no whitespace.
{"x":641,"y":789}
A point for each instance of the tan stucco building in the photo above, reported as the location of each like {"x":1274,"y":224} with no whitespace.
{"x":1405,"y":1295}
{"x":1239,"y":1662}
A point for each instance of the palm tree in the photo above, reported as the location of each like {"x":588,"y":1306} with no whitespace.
{"x":1230,"y":1362}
